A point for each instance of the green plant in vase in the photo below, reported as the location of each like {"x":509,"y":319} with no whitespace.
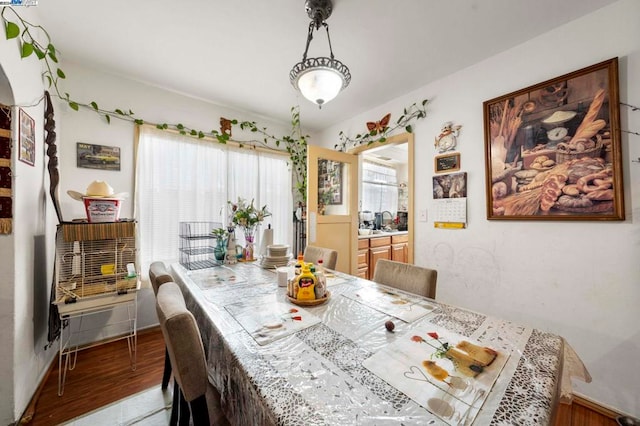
{"x":220,"y":234}
{"x":247,"y":217}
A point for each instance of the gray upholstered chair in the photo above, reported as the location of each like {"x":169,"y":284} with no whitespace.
{"x":411,"y":278}
{"x":329,"y":256}
{"x":159,"y":275}
{"x":193,"y":395}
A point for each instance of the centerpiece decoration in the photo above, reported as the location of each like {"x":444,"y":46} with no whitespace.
{"x":248,"y":218}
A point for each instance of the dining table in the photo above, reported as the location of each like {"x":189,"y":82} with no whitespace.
{"x":368,"y":354}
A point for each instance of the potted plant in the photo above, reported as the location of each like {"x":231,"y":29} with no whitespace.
{"x":220,"y":234}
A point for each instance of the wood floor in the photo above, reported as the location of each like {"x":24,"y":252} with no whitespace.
{"x":103,"y":375}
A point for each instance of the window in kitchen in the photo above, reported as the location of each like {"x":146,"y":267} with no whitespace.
{"x":179,"y":178}
{"x":379,"y":188}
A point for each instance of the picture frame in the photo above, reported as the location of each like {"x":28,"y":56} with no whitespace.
{"x":26,"y":138}
{"x":552,"y":150}
{"x":329,"y":182}
{"x":103,"y":157}
{"x":449,"y":162}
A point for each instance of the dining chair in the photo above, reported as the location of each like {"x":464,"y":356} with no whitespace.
{"x":193,"y":396}
{"x":403,"y":276}
{"x":159,"y":275}
{"x":329,"y":256}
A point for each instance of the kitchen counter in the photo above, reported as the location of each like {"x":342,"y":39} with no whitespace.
{"x":383,"y":234}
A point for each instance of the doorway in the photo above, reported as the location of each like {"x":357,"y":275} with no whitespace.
{"x":396,"y":149}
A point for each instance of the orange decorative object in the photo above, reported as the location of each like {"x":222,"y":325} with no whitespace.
{"x":379,"y":126}
{"x":225,"y":126}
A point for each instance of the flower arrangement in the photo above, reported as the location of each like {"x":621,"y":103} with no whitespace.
{"x":246,"y":216}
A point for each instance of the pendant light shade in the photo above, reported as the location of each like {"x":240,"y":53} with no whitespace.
{"x":319,"y":79}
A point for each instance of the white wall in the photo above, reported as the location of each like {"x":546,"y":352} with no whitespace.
{"x":577,"y":279}
{"x":22,"y":339}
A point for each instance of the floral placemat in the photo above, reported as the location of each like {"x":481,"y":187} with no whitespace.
{"x":214,"y":277}
{"x":267,"y":323}
{"x":400,"y":305}
{"x":446,"y":373}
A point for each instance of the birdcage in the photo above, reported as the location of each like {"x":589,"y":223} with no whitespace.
{"x":95,"y":264}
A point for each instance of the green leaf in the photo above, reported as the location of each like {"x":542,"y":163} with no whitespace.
{"x":39,"y":53}
{"x":52,"y":55}
{"x":119,"y":111}
{"x":193,"y":132}
{"x":409,"y":129}
{"x":60,"y":73}
{"x":94,"y":105}
{"x":179,"y":126}
{"x":200,"y":135}
{"x":425,"y":102}
{"x":183,"y":132}
{"x":234,"y":121}
{"x":27,"y":50}
{"x":108,"y":118}
{"x":159,"y":126}
{"x":165,"y":126}
{"x":49,"y":80}
{"x":138,"y":121}
{"x":73,"y":105}
{"x":12,"y":30}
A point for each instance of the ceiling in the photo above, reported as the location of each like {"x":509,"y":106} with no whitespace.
{"x":239,"y":53}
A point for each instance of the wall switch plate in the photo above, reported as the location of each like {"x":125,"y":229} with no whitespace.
{"x":423,"y":215}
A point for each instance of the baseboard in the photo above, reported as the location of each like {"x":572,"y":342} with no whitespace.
{"x":596,"y":406}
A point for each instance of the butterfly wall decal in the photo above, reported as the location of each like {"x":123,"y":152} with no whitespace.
{"x":379,"y":126}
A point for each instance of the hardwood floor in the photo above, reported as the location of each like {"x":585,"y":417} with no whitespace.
{"x":103,"y":375}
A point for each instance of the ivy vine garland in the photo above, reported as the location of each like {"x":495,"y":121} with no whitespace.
{"x":295,"y":144}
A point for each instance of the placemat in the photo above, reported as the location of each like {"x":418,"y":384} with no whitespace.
{"x":445,"y":372}
{"x":269,"y":322}
{"x":218,"y":276}
{"x":400,"y":305}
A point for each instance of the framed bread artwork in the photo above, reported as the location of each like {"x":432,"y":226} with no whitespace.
{"x":552,"y":150}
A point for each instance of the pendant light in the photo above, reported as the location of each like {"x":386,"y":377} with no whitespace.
{"x":319,"y":79}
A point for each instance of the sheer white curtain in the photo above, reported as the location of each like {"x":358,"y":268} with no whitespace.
{"x":181,"y":179}
{"x":379,"y":188}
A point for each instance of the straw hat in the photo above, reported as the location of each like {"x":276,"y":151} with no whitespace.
{"x":97,"y":189}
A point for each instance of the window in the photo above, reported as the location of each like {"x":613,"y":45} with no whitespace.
{"x":379,"y":188}
{"x":181,"y":179}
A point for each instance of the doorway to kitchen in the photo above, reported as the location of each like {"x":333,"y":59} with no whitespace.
{"x":385,"y":186}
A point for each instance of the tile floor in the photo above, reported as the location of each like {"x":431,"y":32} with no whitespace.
{"x":148,"y":408}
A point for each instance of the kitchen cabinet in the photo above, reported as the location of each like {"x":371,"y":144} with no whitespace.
{"x":400,"y":248}
{"x":379,"y":248}
{"x":372,"y":248}
{"x":363,"y":258}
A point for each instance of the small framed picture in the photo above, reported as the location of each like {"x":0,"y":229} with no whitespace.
{"x":102,"y":157}
{"x":447,"y":162}
{"x":27,"y":138}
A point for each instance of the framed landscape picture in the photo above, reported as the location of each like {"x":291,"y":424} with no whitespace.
{"x":552,"y":150}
